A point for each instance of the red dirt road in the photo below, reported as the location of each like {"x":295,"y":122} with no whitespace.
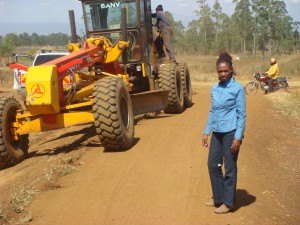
{"x":163,"y":179}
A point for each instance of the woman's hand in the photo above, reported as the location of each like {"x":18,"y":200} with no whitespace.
{"x":235,"y":147}
{"x":205,"y":141}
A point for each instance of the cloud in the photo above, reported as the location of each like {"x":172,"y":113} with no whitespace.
{"x":294,"y":1}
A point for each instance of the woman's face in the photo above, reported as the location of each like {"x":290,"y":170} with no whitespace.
{"x":224,"y":72}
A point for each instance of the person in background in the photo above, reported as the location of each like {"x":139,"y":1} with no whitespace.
{"x":165,"y":31}
{"x":272,"y":73}
{"x":226,"y":122}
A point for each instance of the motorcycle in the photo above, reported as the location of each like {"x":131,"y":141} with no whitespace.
{"x":260,"y":81}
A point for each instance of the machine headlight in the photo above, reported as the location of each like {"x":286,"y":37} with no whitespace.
{"x":139,"y":68}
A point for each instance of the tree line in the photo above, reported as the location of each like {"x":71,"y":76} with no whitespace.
{"x":255,"y":26}
{"x":9,"y":42}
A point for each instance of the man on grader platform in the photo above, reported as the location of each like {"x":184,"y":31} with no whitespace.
{"x":165,"y":32}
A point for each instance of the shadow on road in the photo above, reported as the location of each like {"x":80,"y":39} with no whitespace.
{"x":149,"y":116}
{"x":87,"y":131}
{"x":135,"y":141}
{"x":243,"y":199}
{"x":76,"y":144}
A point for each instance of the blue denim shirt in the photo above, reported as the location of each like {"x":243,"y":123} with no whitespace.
{"x":228,"y":109}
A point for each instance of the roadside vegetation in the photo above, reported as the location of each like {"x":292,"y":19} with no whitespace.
{"x":15,"y":209}
{"x":288,"y":103}
{"x":203,"y":67}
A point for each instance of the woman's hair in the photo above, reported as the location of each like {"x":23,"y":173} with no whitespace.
{"x":224,"y":57}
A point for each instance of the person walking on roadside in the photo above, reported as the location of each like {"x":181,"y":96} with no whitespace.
{"x":272,"y":73}
{"x":165,"y":31}
{"x":226,"y":122}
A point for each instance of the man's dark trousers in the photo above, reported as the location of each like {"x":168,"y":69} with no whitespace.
{"x":223,"y":187}
{"x":270,"y":84}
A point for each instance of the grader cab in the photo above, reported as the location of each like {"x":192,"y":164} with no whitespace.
{"x":112,"y":78}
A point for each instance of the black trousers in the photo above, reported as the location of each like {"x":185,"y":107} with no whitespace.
{"x":270,"y":84}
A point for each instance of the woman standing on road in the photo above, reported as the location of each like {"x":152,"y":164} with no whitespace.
{"x":226,"y":121}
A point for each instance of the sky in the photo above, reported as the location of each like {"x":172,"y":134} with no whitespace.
{"x":51,"y":16}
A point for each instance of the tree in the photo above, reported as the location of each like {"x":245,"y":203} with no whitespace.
{"x":192,"y":37}
{"x":217,"y":16}
{"x":6,"y":49}
{"x":35,"y":40}
{"x":243,"y":21}
{"x":24,"y":39}
{"x":11,"y":39}
{"x":271,"y":18}
{"x":284,"y":37}
{"x":8,"y":45}
{"x":206,"y":25}
{"x":230,"y":39}
{"x":59,"y":39}
{"x":296,"y":40}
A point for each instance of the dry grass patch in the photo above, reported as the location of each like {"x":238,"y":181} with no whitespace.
{"x":288,"y":103}
{"x":52,"y":175}
{"x":3,"y":213}
{"x":60,"y":167}
{"x":6,"y":77}
{"x":19,"y":199}
{"x":15,"y":209}
{"x":203,"y":68}
{"x":22,"y":197}
{"x":14,"y":212}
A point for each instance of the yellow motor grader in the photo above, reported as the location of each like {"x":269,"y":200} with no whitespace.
{"x":112,"y":78}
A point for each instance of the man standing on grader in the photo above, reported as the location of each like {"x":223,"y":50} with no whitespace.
{"x":165,"y":31}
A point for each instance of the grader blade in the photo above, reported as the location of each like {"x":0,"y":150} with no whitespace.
{"x":151,"y":101}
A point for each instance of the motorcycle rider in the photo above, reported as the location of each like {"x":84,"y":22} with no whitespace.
{"x":272,"y":73}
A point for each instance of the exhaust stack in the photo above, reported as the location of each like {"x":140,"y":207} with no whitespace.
{"x":72,"y":26}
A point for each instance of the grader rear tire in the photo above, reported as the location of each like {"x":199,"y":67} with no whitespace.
{"x":186,"y":84}
{"x":170,"y":79}
{"x":113,"y":114}
{"x":11,"y":151}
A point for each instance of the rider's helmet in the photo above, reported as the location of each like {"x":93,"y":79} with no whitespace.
{"x":273,"y":61}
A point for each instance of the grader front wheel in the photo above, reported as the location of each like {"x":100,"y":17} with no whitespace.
{"x":113,"y":114}
{"x":170,"y":79}
{"x":11,"y":151}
